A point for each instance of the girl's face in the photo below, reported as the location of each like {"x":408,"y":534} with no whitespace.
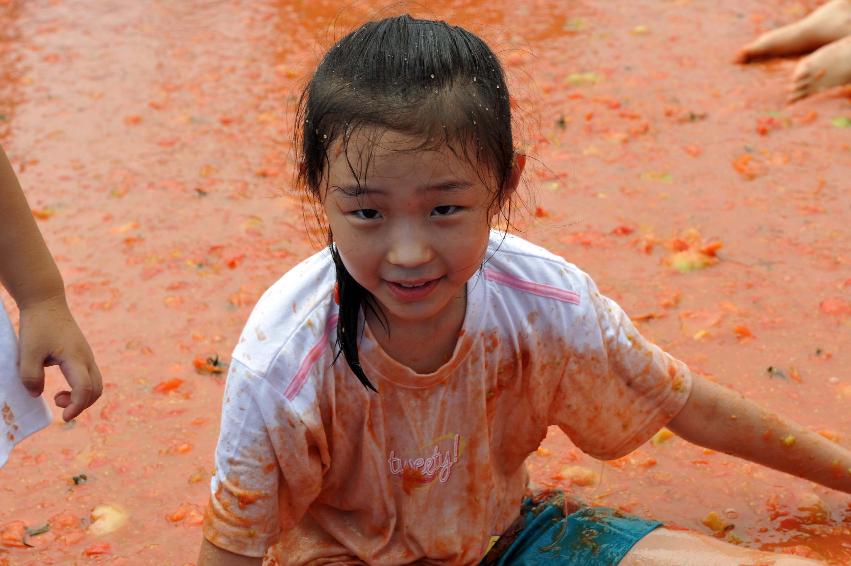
{"x":417,"y":228}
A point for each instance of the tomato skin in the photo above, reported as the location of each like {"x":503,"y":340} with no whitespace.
{"x":98,"y":549}
{"x":168,"y":385}
{"x":12,"y":534}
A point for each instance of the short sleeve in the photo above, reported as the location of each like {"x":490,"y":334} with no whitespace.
{"x":266,"y":474}
{"x":617,"y":389}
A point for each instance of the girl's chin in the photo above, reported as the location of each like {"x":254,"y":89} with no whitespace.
{"x":411,"y":312}
{"x":430,"y":310}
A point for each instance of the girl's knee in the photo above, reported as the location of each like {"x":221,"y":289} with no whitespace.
{"x":667,"y":547}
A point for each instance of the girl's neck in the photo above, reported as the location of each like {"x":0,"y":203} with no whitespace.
{"x":423,"y":345}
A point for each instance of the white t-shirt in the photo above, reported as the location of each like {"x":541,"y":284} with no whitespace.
{"x":312,"y":464}
{"x":20,"y":414}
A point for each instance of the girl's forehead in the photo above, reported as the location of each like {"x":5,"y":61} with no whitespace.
{"x":373,"y":151}
{"x":380,"y":142}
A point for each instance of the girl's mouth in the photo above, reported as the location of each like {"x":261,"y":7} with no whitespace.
{"x":412,"y":291}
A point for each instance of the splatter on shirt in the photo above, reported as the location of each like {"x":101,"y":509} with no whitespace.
{"x":317,"y":469}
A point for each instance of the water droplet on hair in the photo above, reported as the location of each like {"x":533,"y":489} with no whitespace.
{"x":432,"y":75}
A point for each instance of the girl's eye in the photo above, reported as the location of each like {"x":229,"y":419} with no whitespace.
{"x":445,"y":210}
{"x":365,"y":214}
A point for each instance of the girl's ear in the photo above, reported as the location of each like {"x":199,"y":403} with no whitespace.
{"x":513,"y":181}
{"x":511,"y":184}
{"x":517,"y":167}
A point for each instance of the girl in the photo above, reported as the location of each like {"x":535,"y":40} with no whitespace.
{"x":385,"y":392}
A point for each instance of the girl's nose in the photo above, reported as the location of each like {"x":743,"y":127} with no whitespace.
{"x":409,"y":249}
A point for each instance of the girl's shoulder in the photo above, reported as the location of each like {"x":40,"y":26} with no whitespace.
{"x":516,"y":263}
{"x":290,"y":318}
{"x":531,"y":291}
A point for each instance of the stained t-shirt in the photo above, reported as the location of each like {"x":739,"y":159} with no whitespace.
{"x":20,"y":414}
{"x":320,"y":470}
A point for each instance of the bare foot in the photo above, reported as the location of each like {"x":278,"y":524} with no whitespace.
{"x":829,"y":22}
{"x":828,"y":67}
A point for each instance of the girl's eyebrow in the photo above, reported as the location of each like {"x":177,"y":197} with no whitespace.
{"x":446,"y":186}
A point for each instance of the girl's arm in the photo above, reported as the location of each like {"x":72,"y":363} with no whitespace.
{"x":212,"y":555}
{"x":716,"y":417}
{"x":48,"y":333}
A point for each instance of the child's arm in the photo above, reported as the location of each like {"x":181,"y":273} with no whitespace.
{"x":212,"y":555}
{"x":48,"y":334}
{"x":716,"y":417}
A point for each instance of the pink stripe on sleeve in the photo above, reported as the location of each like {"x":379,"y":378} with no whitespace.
{"x":312,"y":356}
{"x":535,"y":288}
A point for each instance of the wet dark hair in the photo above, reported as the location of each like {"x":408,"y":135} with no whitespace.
{"x":423,"y":78}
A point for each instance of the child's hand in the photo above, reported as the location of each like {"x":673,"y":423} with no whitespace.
{"x":50,"y":336}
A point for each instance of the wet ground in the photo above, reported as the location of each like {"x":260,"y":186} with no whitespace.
{"x":152,"y":140}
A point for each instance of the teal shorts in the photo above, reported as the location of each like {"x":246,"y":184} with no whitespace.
{"x":545,"y":535}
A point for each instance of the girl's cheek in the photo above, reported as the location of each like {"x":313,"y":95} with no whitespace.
{"x":355,"y":257}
